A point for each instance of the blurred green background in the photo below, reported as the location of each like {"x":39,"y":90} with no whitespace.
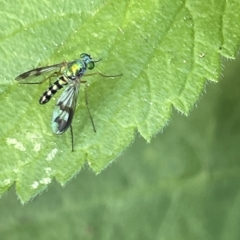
{"x":183,"y":185}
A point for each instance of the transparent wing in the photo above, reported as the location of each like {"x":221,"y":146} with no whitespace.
{"x":65,"y":108}
{"x":41,"y":71}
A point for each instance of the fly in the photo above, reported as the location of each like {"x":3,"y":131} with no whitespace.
{"x":68,"y":75}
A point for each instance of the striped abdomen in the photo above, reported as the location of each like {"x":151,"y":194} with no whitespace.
{"x":53,"y":89}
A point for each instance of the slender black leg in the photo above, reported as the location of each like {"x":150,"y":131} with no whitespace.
{"x":71,"y":130}
{"x":101,"y":74}
{"x":89,"y":113}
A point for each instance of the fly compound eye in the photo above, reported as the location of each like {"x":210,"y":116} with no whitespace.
{"x":90,"y":65}
{"x":85,"y":55}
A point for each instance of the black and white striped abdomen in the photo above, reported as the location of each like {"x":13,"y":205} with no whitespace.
{"x":61,"y":81}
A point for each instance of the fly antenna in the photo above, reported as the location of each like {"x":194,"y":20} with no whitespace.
{"x":98,"y":60}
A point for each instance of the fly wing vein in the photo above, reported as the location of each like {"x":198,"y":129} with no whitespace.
{"x":65,"y":108}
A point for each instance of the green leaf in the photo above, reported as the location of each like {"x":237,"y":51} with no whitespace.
{"x":165,"y":51}
{"x":184,"y":186}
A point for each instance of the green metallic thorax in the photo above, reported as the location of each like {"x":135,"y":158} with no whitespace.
{"x":75,"y":68}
